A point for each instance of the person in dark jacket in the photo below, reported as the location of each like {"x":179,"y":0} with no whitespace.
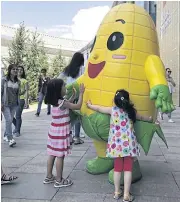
{"x":42,"y":89}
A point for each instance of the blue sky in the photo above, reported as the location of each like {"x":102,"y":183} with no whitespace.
{"x":69,"y":19}
{"x":47,"y":15}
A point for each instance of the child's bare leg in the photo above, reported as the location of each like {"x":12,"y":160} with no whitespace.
{"x":128,"y":164}
{"x":59,"y":168}
{"x":50,"y":164}
{"x":127,"y":183}
{"x":117,"y":178}
{"x":118,"y":168}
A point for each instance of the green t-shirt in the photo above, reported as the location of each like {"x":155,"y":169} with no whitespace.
{"x":23,"y":84}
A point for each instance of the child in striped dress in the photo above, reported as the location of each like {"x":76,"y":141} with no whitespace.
{"x":58,"y":145}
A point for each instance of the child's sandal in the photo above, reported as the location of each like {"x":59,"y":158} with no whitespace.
{"x":48,"y":180}
{"x":130,"y":198}
{"x":63,"y":183}
{"x":7,"y":179}
{"x":117,"y":195}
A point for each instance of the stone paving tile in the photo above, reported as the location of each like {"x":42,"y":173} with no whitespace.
{"x":172,"y":142}
{"x":15,"y":161}
{"x":29,"y":186}
{"x":172,"y":157}
{"x":174,"y":165}
{"x":143,"y":188}
{"x":41,"y":170}
{"x":152,"y":158}
{"x":109,"y":198}
{"x":21,"y":200}
{"x":160,"y":169}
{"x":89,"y":187}
{"x":21,"y":152}
{"x":30,"y":142}
{"x":170,"y":150}
{"x":80,"y":175}
{"x":157,"y":167}
{"x":78,"y":197}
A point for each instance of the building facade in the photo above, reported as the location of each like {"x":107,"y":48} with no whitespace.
{"x":52,"y":44}
{"x":168,"y":28}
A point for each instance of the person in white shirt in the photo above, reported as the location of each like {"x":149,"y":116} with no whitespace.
{"x":172,"y":86}
{"x":73,"y":71}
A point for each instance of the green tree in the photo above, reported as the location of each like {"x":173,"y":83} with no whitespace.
{"x":18,"y":48}
{"x":27,"y":49}
{"x":57,"y":65}
{"x":35,"y":61}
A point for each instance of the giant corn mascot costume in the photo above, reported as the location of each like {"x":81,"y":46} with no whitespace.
{"x":125,"y":55}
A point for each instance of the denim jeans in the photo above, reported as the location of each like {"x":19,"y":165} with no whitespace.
{"x":17,"y":120}
{"x":41,"y":98}
{"x":8,"y":113}
{"x":77,"y":127}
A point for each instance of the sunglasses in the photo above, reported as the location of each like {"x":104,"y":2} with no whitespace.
{"x":169,"y":72}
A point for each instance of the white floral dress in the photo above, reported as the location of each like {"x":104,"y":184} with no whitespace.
{"x":122,"y":141}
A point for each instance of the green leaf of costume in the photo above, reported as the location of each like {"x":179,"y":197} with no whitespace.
{"x":145,"y":131}
{"x":163,"y":98}
{"x":97,"y":125}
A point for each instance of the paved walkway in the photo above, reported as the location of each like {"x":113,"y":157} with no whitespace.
{"x":161,"y":168}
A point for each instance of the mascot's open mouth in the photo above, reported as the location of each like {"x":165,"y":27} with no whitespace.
{"x":95,"y":69}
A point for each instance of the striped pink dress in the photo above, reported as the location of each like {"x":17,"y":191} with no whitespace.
{"x":59,"y":133}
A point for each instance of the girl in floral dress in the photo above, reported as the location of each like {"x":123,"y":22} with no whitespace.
{"x":122,"y":144}
{"x":58,"y":145}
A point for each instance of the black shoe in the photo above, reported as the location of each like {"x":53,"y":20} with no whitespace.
{"x":48,"y":113}
{"x":37,"y":114}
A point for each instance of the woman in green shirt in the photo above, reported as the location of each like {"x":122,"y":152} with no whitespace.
{"x":17,"y":121}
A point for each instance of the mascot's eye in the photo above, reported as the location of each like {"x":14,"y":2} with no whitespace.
{"x":93,"y":44}
{"x":115,"y":41}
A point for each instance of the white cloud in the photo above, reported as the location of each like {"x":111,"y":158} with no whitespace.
{"x":86,"y":22}
{"x":84,"y":25}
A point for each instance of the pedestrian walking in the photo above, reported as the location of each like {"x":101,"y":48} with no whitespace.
{"x":42,"y":88}
{"x":172,"y":86}
{"x":10,"y":90}
{"x":23,"y":101}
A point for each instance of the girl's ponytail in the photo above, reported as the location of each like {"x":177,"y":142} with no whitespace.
{"x":128,"y":107}
{"x":122,"y":101}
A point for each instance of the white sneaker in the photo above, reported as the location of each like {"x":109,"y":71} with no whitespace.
{"x":171,"y":121}
{"x":82,"y":135}
{"x":5,"y":139}
{"x":16,"y":134}
{"x":12,"y":142}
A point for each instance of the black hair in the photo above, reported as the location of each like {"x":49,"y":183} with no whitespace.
{"x":73,"y":68}
{"x":168,"y":69}
{"x":121,"y":100}
{"x":10,"y":67}
{"x":23,"y":74}
{"x":44,"y":70}
{"x":53,"y":94}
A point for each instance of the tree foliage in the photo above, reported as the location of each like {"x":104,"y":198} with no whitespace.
{"x":27,"y":49}
{"x":57,"y":65}
{"x":18,"y":48}
{"x":36,"y":60}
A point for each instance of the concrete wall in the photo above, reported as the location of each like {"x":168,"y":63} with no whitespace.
{"x":168,"y":27}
